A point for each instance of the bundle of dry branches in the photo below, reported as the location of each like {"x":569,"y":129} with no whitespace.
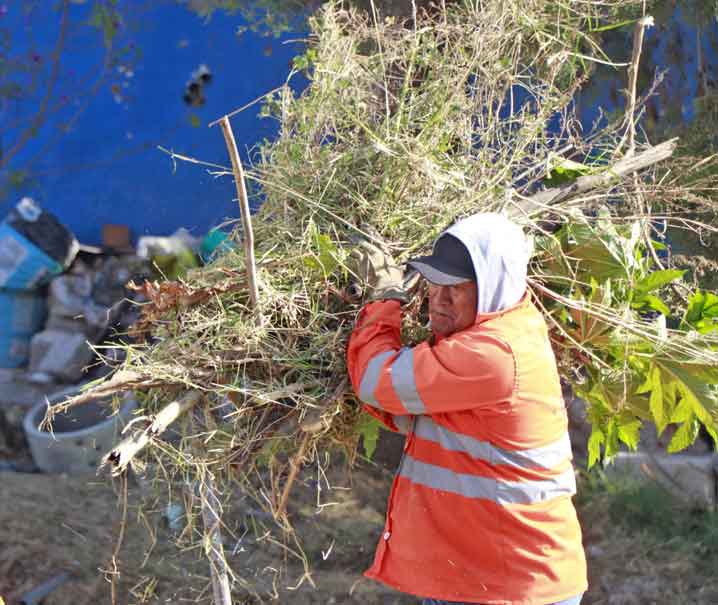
{"x":408,"y":127}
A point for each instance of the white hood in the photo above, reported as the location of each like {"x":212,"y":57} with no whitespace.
{"x":500,"y":252}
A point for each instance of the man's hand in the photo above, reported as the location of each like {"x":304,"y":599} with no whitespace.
{"x":380,"y":276}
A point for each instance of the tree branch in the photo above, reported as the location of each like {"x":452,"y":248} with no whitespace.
{"x":40,"y":115}
{"x":125,"y":451}
{"x":525,"y":208}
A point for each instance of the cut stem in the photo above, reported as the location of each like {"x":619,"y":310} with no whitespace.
{"x":248,"y":238}
{"x":211,"y":513}
{"x":125,"y":451}
{"x":530,"y":206}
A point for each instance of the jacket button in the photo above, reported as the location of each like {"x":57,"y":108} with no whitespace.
{"x":386,"y":535}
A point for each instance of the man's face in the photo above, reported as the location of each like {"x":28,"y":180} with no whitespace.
{"x":452,"y":308}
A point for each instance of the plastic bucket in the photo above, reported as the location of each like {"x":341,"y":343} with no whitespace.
{"x":79,"y":438}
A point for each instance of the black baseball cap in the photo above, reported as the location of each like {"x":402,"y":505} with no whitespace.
{"x":448,"y":265}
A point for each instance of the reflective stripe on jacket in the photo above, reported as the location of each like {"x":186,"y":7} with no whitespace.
{"x":480,"y":509}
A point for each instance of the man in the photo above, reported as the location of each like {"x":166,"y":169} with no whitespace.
{"x":480,"y":510}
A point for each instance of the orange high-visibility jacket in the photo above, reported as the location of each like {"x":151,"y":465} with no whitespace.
{"x":480,"y":510}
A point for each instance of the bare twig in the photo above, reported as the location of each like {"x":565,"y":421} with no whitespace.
{"x":247,"y":105}
{"x":309,"y":426}
{"x":248,"y":238}
{"x":124,"y":452}
{"x":638,"y":34}
{"x":294,"y":465}
{"x":211,"y":517}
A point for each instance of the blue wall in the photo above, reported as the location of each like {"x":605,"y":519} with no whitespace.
{"x":108,"y":169}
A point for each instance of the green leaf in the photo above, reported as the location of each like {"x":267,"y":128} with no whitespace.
{"x":368,"y":428}
{"x":325,"y":254}
{"x":697,"y":386}
{"x":595,"y":441}
{"x":611,"y":445}
{"x":658,"y":279}
{"x":702,"y":312}
{"x":684,"y":436}
{"x":657,"y":401}
{"x":652,"y":302}
{"x":565,"y":171}
{"x":629,"y":432}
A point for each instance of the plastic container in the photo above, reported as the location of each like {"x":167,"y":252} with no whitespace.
{"x":23,"y":266}
{"x":214,"y":244}
{"x":79,"y":438}
{"x":44,"y":231}
{"x":22,"y":315}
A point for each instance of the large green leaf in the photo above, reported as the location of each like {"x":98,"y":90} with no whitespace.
{"x":595,"y":441}
{"x":702,"y":312}
{"x":629,"y":429}
{"x":684,"y":436}
{"x":660,"y":409}
{"x":697,"y":386}
{"x":658,"y":279}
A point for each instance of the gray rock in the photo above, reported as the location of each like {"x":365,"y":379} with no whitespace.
{"x":60,"y":354}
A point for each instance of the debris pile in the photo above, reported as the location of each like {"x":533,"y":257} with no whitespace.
{"x":64,"y":306}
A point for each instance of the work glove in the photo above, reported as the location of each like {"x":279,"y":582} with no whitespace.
{"x":380,"y":277}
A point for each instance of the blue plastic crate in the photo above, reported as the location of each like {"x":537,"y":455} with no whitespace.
{"x":22,"y":315}
{"x":23,"y":266}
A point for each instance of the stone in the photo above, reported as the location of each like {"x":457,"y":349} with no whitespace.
{"x":62,"y":355}
{"x":691,"y":478}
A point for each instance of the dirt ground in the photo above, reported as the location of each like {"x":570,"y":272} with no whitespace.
{"x":50,"y":524}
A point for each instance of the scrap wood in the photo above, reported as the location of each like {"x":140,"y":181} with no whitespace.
{"x":124,"y":452}
{"x":214,"y":549}
{"x":527,"y":207}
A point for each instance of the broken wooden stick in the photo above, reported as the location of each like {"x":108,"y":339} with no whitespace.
{"x":638,"y":34}
{"x":124,"y":452}
{"x":529,"y":206}
{"x":248,"y":235}
{"x":211,"y":517}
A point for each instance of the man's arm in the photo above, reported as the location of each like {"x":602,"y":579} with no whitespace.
{"x":465,"y":371}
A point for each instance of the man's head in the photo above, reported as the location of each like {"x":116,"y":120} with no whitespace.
{"x":477,"y":266}
{"x":452,"y":286}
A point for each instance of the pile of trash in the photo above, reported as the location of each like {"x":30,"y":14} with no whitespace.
{"x":57,"y":298}
{"x":63,"y":305}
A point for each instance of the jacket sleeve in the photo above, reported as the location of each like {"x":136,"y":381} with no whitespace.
{"x":462,"y":372}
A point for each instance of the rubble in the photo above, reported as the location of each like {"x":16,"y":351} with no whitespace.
{"x":59,"y":298}
{"x":59,"y":355}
